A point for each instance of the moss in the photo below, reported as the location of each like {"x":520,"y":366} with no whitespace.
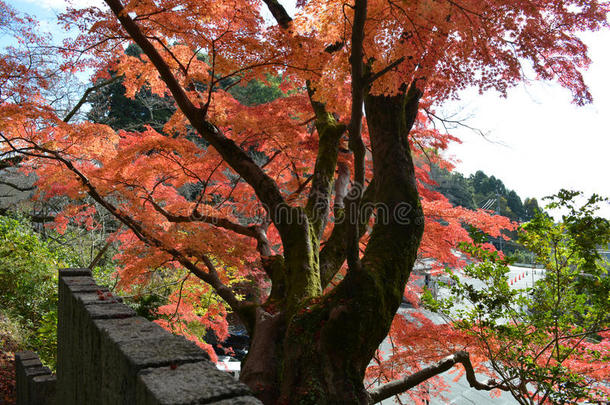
{"x":301,"y":247}
{"x":329,"y":131}
{"x":276,"y":269}
{"x":331,"y":339}
{"x":247,"y":314}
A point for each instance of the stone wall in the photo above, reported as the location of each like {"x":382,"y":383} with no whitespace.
{"x":108,"y":355}
{"x":35,"y":383}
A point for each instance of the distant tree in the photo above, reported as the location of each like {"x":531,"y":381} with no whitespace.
{"x":496,"y":186}
{"x":480,"y":183}
{"x":516,"y":206}
{"x":454,"y":186}
{"x":256,"y":91}
{"x":530,"y":208}
{"x":478,"y":189}
{"x":111,"y":106}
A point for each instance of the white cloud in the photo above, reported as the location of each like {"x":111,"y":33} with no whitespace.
{"x":549,"y":143}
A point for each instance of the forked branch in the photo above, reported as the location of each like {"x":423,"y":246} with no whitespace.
{"x":396,"y":387}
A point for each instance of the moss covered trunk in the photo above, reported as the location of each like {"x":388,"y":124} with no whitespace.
{"x":317,"y":353}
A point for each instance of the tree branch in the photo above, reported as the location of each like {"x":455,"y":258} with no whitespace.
{"x":356,"y":145}
{"x":147,"y":237}
{"x":399,"y":386}
{"x":279,"y":13}
{"x":16,"y":187}
{"x":329,"y":133}
{"x":257,"y":232}
{"x":334,"y":252}
{"x":83,"y":99}
{"x":264,"y":187}
{"x":216,"y":221}
{"x":385,"y":70}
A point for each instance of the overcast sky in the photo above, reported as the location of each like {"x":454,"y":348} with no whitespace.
{"x":542,"y":142}
{"x":536,"y":140}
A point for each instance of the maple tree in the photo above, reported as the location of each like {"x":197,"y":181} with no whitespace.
{"x":310,"y":209}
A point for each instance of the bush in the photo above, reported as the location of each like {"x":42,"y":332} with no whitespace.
{"x":28,"y":285}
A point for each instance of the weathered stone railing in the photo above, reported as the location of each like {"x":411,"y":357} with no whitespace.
{"x":108,"y":355}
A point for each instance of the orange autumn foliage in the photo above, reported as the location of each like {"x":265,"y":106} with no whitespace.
{"x":248,"y":161}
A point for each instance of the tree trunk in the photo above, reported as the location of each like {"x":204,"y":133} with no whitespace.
{"x":318,"y":353}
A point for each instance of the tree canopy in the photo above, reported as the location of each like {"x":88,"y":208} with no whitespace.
{"x":310,"y":208}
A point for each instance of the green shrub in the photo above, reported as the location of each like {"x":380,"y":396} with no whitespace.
{"x":28,"y":285}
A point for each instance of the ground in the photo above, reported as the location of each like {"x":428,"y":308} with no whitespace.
{"x":7,"y":367}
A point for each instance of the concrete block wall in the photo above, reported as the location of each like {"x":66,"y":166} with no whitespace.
{"x":108,"y":355}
